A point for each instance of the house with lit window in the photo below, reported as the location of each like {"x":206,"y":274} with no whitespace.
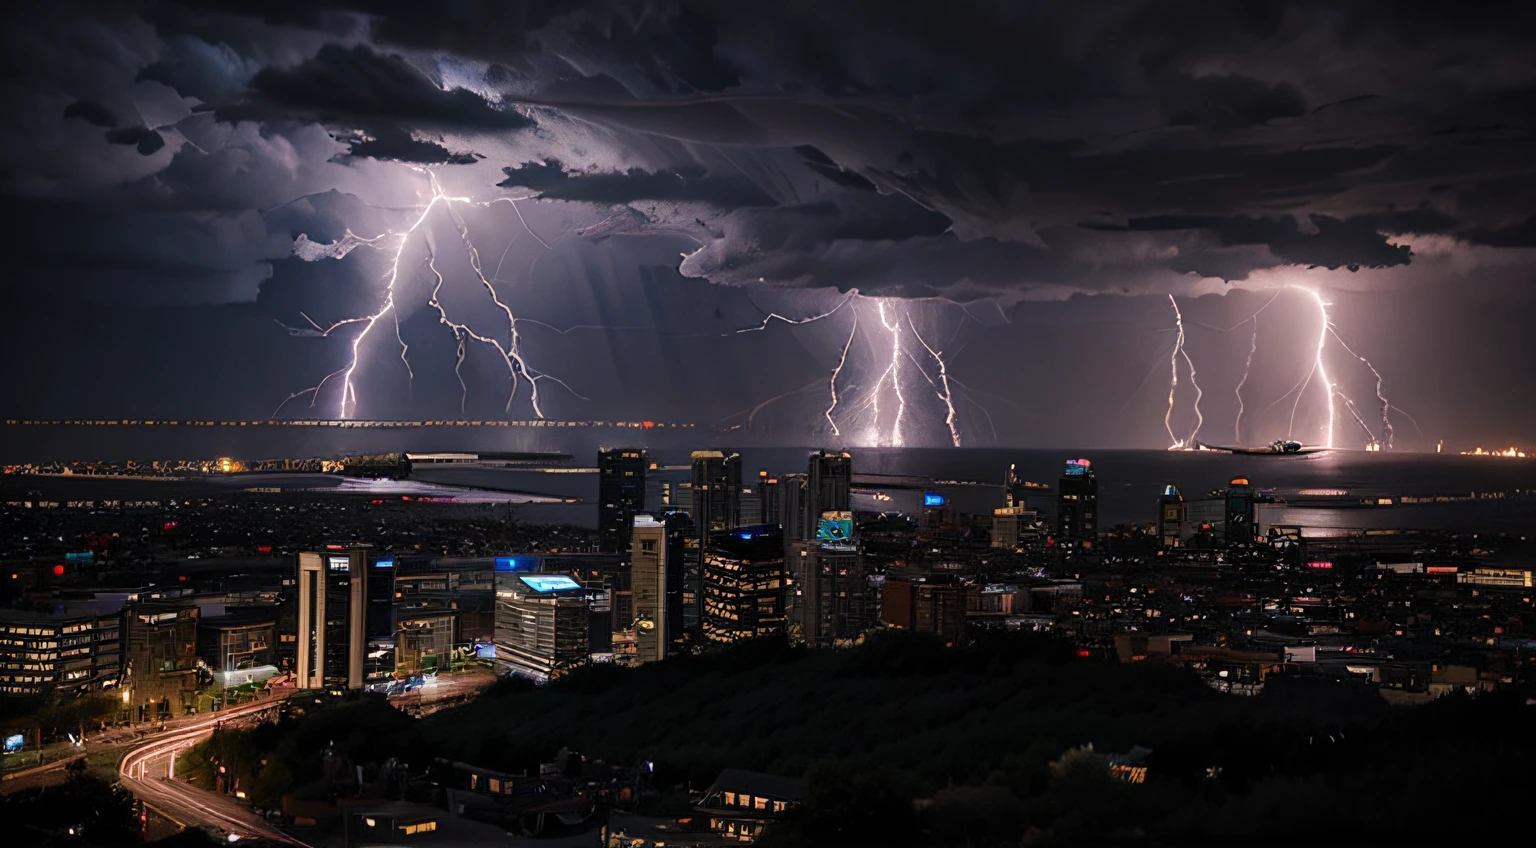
{"x":741,"y":804}
{"x":402,"y":823}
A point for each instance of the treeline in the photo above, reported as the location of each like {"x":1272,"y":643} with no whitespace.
{"x":1005,"y":742}
{"x":903,"y":741}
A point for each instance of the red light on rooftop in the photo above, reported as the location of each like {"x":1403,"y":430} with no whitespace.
{"x":58,"y":571}
{"x":1319,"y":565}
{"x":334,"y":548}
{"x":1085,"y":653}
{"x":263,"y":549}
{"x":169,"y":525}
{"x":181,"y":578}
{"x":647,"y":424}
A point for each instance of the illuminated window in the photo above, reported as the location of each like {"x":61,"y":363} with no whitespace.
{"x":418,"y":827}
{"x":762,"y":803}
{"x":730,"y":799}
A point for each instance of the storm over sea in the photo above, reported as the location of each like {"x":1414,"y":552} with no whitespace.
{"x":1129,"y":480}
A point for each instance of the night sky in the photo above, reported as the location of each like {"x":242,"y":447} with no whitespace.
{"x":1018,"y":186}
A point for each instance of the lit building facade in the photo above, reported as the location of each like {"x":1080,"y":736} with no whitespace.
{"x":716,"y":508}
{"x":1013,"y":526}
{"x":829,"y":486}
{"x":1077,"y":505}
{"x":333,"y":612}
{"x":160,"y":667}
{"x":829,"y":594}
{"x":64,"y":652}
{"x":658,"y":553}
{"x":1170,"y":518}
{"x":425,"y":642}
{"x":621,"y":493}
{"x":543,"y":624}
{"x":238,"y":640}
{"x":934,"y":604}
{"x":744,"y":584}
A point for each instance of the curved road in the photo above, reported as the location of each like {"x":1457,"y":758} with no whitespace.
{"x":146,"y":771}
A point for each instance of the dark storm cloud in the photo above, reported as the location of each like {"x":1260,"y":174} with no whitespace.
{"x":1334,"y":244}
{"x":684,"y":183}
{"x":145,"y":139}
{"x":397,"y":146}
{"x":91,"y":112}
{"x":364,"y":87}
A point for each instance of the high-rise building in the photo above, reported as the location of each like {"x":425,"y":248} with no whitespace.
{"x":621,"y":494}
{"x":543,"y":624}
{"x":1240,"y":512}
{"x":160,"y":663}
{"x":744,"y":584}
{"x":829,"y":485}
{"x":68,"y":650}
{"x":830,"y":597}
{"x":770,"y":501}
{"x":333,"y":618}
{"x":1077,"y":505}
{"x":716,"y":490}
{"x":1013,"y":526}
{"x":794,"y":515}
{"x":1018,"y":492}
{"x":381,"y":598}
{"x":659,"y":552}
{"x":1170,"y":517}
{"x":716,"y":508}
{"x":933,"y":604}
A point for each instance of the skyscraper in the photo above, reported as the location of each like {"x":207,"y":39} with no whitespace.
{"x":744,"y":584}
{"x":1077,"y":505}
{"x":794,"y":516}
{"x":1240,"y":512}
{"x":620,"y":495}
{"x":1170,"y":517}
{"x":716,"y":507}
{"x":716,"y":490}
{"x":658,"y":551}
{"x":769,"y":498}
{"x":830,"y":598}
{"x":829,"y":486}
{"x":543,"y":625}
{"x":333,"y":614}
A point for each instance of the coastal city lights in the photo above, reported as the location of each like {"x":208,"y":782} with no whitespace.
{"x":631,"y":424}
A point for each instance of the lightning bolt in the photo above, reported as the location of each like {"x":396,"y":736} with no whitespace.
{"x":943,"y":390}
{"x":1386,"y":405}
{"x":774,"y":316}
{"x":1173,"y":381}
{"x":1237,"y":427}
{"x":1319,"y":368}
{"x":510,"y":353}
{"x":841,"y":361}
{"x":894,"y":373}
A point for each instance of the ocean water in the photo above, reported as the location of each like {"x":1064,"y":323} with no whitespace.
{"x":1129,"y":480}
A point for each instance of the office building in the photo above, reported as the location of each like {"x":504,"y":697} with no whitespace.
{"x":1170,"y":518}
{"x":744,"y":584}
{"x":621,"y":493}
{"x":160,"y":663}
{"x":716,"y":490}
{"x":238,"y":640}
{"x":381,"y":598}
{"x":1014,"y":526}
{"x":66,"y":651}
{"x":1077,"y":505}
{"x":932,"y":604}
{"x":333,"y":612}
{"x":543,"y":624}
{"x":658,"y":553}
{"x":769,"y":499}
{"x":830,"y":599}
{"x":1240,"y":499}
{"x":794,"y":514}
{"x":716,"y":508}
{"x":829,"y":485}
{"x":424,"y":642}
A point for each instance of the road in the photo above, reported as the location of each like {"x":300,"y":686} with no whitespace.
{"x":146,"y":771}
